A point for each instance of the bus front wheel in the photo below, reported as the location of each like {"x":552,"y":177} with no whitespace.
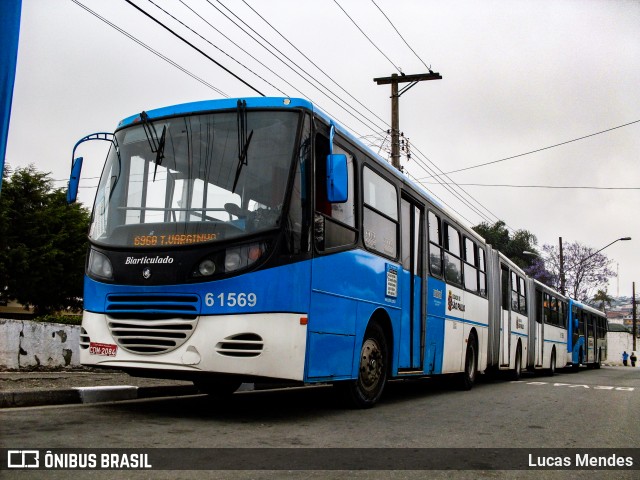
{"x":366,"y":390}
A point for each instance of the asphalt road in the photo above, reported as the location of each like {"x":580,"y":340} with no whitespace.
{"x":589,"y":409}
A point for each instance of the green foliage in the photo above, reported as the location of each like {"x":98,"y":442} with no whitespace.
{"x":58,"y":318}
{"x":43,"y":243}
{"x":511,"y":245}
{"x":601,"y":299}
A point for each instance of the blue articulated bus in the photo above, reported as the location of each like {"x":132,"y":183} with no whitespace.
{"x":587,"y":336}
{"x":256,"y":240}
{"x":548,"y":329}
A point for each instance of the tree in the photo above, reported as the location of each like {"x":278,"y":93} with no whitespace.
{"x":601,"y":299}
{"x":43,"y":243}
{"x":512,"y":245}
{"x":584,"y":272}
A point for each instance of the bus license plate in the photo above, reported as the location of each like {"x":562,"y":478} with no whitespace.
{"x":104,"y":349}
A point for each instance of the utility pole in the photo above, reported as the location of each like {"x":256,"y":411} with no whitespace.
{"x":394,"y":80}
{"x":635,"y":316}
{"x":562,"y":280}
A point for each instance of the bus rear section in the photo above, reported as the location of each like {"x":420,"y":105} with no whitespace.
{"x":587,"y":338}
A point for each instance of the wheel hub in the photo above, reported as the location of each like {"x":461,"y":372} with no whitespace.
{"x":370,"y":364}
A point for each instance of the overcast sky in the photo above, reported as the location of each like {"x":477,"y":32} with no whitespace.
{"x":518,"y":76}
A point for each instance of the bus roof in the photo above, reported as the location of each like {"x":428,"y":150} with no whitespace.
{"x":286,"y":103}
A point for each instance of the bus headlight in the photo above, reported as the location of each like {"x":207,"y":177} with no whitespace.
{"x":240,"y":257}
{"x":207,"y":267}
{"x":100,"y":266}
{"x":232,"y":260}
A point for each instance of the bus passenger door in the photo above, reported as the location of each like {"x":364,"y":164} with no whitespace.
{"x":591,"y":339}
{"x":505,"y":317}
{"x":541,"y":310}
{"x":412,"y":331}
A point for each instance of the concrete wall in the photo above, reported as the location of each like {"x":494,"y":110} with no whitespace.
{"x":617,"y":342}
{"x":27,"y":344}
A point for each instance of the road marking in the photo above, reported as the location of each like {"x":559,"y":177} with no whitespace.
{"x":575,"y":385}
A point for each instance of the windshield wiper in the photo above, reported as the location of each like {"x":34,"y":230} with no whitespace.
{"x":155,"y":144}
{"x":243,"y":140}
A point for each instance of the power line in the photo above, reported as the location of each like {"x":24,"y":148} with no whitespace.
{"x":290,"y":62}
{"x":421,"y":163}
{"x":464,"y":201}
{"x":537,"y":150}
{"x":426,"y":171}
{"x":433,"y":194}
{"x":400,"y":35}
{"x":453,"y":192}
{"x":321,"y":70}
{"x":367,"y":37}
{"x":155,"y":52}
{"x":569,"y":187}
{"x":211,"y":43}
{"x":194,"y":47}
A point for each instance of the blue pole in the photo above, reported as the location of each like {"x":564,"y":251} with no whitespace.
{"x":9,"y":35}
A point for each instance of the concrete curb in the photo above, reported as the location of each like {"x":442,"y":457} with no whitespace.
{"x":34,"y":398}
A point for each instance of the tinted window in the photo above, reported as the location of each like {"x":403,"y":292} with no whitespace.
{"x":380,"y":214}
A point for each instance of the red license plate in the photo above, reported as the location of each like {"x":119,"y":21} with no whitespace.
{"x":104,"y":349}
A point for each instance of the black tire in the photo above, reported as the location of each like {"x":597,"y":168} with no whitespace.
{"x":219,"y":387}
{"x":552,"y":366}
{"x":599,"y":360}
{"x":468,"y":377}
{"x":517,"y":371}
{"x":576,"y":366}
{"x":366,"y":390}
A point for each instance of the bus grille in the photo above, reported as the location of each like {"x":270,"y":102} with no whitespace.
{"x":241,"y":345}
{"x":152,"y":324}
{"x":84,"y":339}
{"x":153,"y":305}
{"x":151,"y":336}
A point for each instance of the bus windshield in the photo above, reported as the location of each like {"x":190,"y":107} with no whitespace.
{"x":200,"y":189}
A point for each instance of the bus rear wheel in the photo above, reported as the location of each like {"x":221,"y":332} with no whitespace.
{"x":576,"y":366}
{"x":468,"y":377}
{"x":366,"y":390}
{"x":517,"y":371}
{"x":552,"y":365}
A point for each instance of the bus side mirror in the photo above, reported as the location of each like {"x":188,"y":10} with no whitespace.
{"x":74,"y":180}
{"x":337,"y":178}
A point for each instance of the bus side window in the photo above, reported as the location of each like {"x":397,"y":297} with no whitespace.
{"x":504,"y":278}
{"x":380,"y":220}
{"x":334,"y":222}
{"x":546,"y":307}
{"x":452,"y":262}
{"x":555,"y":319}
{"x":482,"y":275}
{"x":435,"y":245}
{"x":470,"y":266}
{"x":514,"y":293}
{"x":563,"y":314}
{"x":522,"y":295}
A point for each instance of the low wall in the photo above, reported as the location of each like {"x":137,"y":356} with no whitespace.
{"x":618,"y":342}
{"x":27,"y":344}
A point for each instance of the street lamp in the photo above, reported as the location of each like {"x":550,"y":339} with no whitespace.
{"x":562,"y":281}
{"x":618,"y":240}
